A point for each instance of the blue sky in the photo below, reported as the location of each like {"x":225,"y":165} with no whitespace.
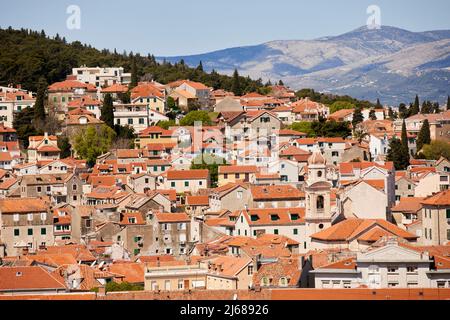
{"x":180,"y":27}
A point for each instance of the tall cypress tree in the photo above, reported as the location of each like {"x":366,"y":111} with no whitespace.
{"x":397,"y":154}
{"x":358,"y":117}
{"x":424,"y":136}
{"x":134,"y":74}
{"x":107,"y":114}
{"x":448,"y":102}
{"x":415,"y":108}
{"x":405,"y":137}
{"x":236,"y":85}
{"x":39,"y":106}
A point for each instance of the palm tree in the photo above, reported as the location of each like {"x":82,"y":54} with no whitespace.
{"x":359,"y":134}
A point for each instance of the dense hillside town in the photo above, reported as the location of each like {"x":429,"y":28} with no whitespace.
{"x":113,"y":183}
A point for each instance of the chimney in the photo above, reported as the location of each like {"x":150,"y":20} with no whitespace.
{"x":101,"y":291}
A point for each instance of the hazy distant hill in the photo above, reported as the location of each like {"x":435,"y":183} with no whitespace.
{"x":390,"y":63}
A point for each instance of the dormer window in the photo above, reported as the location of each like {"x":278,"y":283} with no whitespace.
{"x":294,"y":217}
{"x":274,"y":217}
{"x":254,"y":217}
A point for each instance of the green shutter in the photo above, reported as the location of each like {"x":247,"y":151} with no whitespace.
{"x":43,"y":231}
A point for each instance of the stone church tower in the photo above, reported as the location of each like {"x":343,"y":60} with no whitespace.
{"x":318,"y":196}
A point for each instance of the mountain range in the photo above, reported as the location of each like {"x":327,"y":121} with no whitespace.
{"x":389,"y":63}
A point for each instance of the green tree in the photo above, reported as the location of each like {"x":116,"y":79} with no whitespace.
{"x":236,"y":84}
{"x":107,"y":112}
{"x":404,"y":135}
{"x":392,"y":115}
{"x":403,"y":111}
{"x":448,"y":102}
{"x":210,"y":162}
{"x":398,"y":154}
{"x":372,"y":114}
{"x":166,"y":124}
{"x":194,"y":116}
{"x":64,"y":146}
{"x":123,"y":286}
{"x":134,"y":73}
{"x":91,"y":142}
{"x":415,"y":107}
{"x":23,"y":124}
{"x":39,"y":106}
{"x":436,"y":149}
{"x":200,"y":66}
{"x":378,"y":104}
{"x":358,"y":117}
{"x":340,"y":105}
{"x":424,"y":136}
{"x":303,"y":127}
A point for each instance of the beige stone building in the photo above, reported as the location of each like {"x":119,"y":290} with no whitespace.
{"x":26,"y":225}
{"x":436,"y":219}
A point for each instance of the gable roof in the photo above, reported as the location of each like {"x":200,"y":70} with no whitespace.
{"x":439,"y":199}
{"x":350,"y":229}
{"x":28,"y":278}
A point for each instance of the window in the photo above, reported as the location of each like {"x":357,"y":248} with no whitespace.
{"x":172,"y":184}
{"x":448,"y":214}
{"x":239,"y":194}
{"x":320,"y":203}
{"x":43,"y":231}
{"x":392,"y":284}
{"x":441,"y":284}
{"x":44,"y":216}
{"x":295,"y":231}
{"x":283,"y":282}
{"x":265,"y":282}
{"x":141,"y":121}
{"x":347,"y":284}
{"x":180,"y":285}
{"x":392,"y":269}
{"x":16,"y":232}
{"x":39,"y":189}
{"x":276,"y":231}
{"x":30,"y":217}
{"x":250,"y":270}
{"x":225,"y":176}
{"x":30,"y":232}
{"x":130,"y":121}
{"x":16,"y":217}
{"x":74,"y":187}
{"x":186,"y":183}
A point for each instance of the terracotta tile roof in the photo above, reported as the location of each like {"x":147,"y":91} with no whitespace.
{"x":54,"y":260}
{"x":70,"y":85}
{"x":187,"y":174}
{"x":195,"y":85}
{"x":294,"y":151}
{"x":144,"y":90}
{"x":79,"y":252}
{"x":156,"y":258}
{"x":154,"y":130}
{"x":228,"y":266}
{"x":132,"y":219}
{"x":197,"y":200}
{"x":287,"y":268}
{"x":346,"y":264}
{"x":132,"y":272}
{"x":340,"y":114}
{"x":4,"y":129}
{"x":349,"y":167}
{"x":411,"y":204}
{"x":116,"y":88}
{"x":48,"y":149}
{"x":23,"y":205}
{"x":219,"y":222}
{"x":172,"y":217}
{"x":276,"y":192}
{"x":237,"y":169}
{"x":279,"y":216}
{"x":28,"y":278}
{"x":440,"y":199}
{"x":350,"y":229}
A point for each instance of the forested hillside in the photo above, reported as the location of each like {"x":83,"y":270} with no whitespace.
{"x":26,"y":56}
